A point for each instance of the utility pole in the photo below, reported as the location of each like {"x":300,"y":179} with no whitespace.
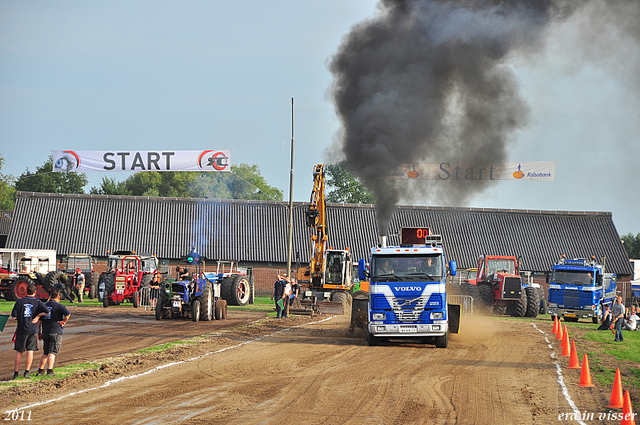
{"x":290,"y":249}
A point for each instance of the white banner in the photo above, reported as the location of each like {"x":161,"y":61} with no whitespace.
{"x":162,"y":160}
{"x":459,"y":171}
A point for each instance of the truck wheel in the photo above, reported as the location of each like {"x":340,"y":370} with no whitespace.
{"x":487,"y":298}
{"x":341,"y":297}
{"x":543,"y":306}
{"x":236,"y":290}
{"x":223,"y":306}
{"x":519,"y":307}
{"x":109,"y":288}
{"x":474,"y":293}
{"x":195,"y":311}
{"x":136,"y":299}
{"x":499,"y":310}
{"x":19,"y":288}
{"x":207,"y":302}
{"x":52,"y":278}
{"x":146,"y":280}
{"x":533,"y":302}
{"x":442,"y":341}
{"x":372,"y":340}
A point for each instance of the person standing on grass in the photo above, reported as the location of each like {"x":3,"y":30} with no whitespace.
{"x":27,"y":311}
{"x":52,"y":325}
{"x":278,"y":295}
{"x":618,"y":315}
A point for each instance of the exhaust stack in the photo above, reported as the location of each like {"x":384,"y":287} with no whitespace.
{"x":383,"y":241}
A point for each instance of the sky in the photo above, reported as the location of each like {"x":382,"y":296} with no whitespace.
{"x":150,"y":75}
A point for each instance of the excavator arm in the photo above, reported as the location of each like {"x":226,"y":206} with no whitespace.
{"x":317,"y":222}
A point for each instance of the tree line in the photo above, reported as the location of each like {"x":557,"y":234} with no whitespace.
{"x":243,"y":182}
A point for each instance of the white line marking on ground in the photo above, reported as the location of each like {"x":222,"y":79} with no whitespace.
{"x":565,"y":390}
{"x":125,"y":378}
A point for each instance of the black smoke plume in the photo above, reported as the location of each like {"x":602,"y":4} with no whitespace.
{"x":430,"y":81}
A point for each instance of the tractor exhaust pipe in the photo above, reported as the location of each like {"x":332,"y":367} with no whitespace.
{"x":383,"y":242}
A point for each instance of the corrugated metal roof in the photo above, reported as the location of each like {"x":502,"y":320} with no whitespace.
{"x":5,"y":221}
{"x":256,"y":231}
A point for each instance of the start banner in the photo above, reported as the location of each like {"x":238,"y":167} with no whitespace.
{"x":467,"y":171}
{"x":162,"y":160}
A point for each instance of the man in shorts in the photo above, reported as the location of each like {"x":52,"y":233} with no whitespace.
{"x":52,"y":325}
{"x":27,"y":311}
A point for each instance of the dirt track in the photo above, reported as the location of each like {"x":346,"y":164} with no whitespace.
{"x":495,"y":372}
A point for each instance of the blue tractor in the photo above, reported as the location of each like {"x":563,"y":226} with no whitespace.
{"x":195,"y":294}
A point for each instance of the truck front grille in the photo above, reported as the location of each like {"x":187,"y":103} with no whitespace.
{"x":512,"y":289}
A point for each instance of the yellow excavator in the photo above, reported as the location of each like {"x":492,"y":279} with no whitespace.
{"x":326,"y":283}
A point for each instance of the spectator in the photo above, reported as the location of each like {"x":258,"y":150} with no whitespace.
{"x":287,"y":295}
{"x":52,"y":325}
{"x":278,"y":295}
{"x":79,"y":284}
{"x":606,"y":319}
{"x":631,"y":323}
{"x":154,"y":285}
{"x":295,"y":294}
{"x":617,"y":313}
{"x":27,"y":311}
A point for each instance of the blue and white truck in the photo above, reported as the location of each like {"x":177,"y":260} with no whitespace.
{"x":407,"y":290}
{"x":579,"y":288}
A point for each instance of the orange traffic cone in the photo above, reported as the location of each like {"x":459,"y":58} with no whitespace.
{"x":616,"y":400}
{"x":559,"y":334}
{"x":628,"y":417}
{"x":574,"y":363}
{"x":566,"y":351}
{"x":585,"y":374}
{"x":555,"y":325}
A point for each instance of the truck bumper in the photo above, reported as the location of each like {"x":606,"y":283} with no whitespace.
{"x":571,"y":312}
{"x":407,"y":330}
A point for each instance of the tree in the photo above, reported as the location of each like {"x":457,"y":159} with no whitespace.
{"x":243,"y":182}
{"x":346,"y":187}
{"x":46,"y":181}
{"x":247,"y":183}
{"x":7,"y":189}
{"x":110,"y":187}
{"x":632,"y":245}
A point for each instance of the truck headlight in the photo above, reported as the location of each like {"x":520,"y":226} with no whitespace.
{"x":378,"y":316}
{"x":436,"y":316}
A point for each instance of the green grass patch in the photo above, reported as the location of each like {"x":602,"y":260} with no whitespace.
{"x":60,"y":372}
{"x":264,"y":304}
{"x":167,"y":346}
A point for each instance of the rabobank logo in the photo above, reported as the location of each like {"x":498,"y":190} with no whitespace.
{"x":413,"y":174}
{"x":518,"y":174}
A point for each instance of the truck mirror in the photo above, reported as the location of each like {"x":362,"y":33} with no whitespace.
{"x":453,"y":267}
{"x":362,"y":269}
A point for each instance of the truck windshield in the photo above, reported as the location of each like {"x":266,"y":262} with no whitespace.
{"x":502,"y":266}
{"x":407,"y":268}
{"x":572,"y":277}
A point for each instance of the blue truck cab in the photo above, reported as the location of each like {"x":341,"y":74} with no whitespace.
{"x":407,"y":292}
{"x":579,"y":288}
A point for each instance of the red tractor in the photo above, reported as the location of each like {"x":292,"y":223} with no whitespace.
{"x":127,"y":273}
{"x":499,"y":287}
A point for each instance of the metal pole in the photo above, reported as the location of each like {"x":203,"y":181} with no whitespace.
{"x":290,"y":201}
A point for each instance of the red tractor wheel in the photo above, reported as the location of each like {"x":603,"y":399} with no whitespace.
{"x":19,"y":288}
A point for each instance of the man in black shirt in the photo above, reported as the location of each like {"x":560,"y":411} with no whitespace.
{"x":27,"y":311}
{"x":52,"y":325}
{"x":278,"y":295}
